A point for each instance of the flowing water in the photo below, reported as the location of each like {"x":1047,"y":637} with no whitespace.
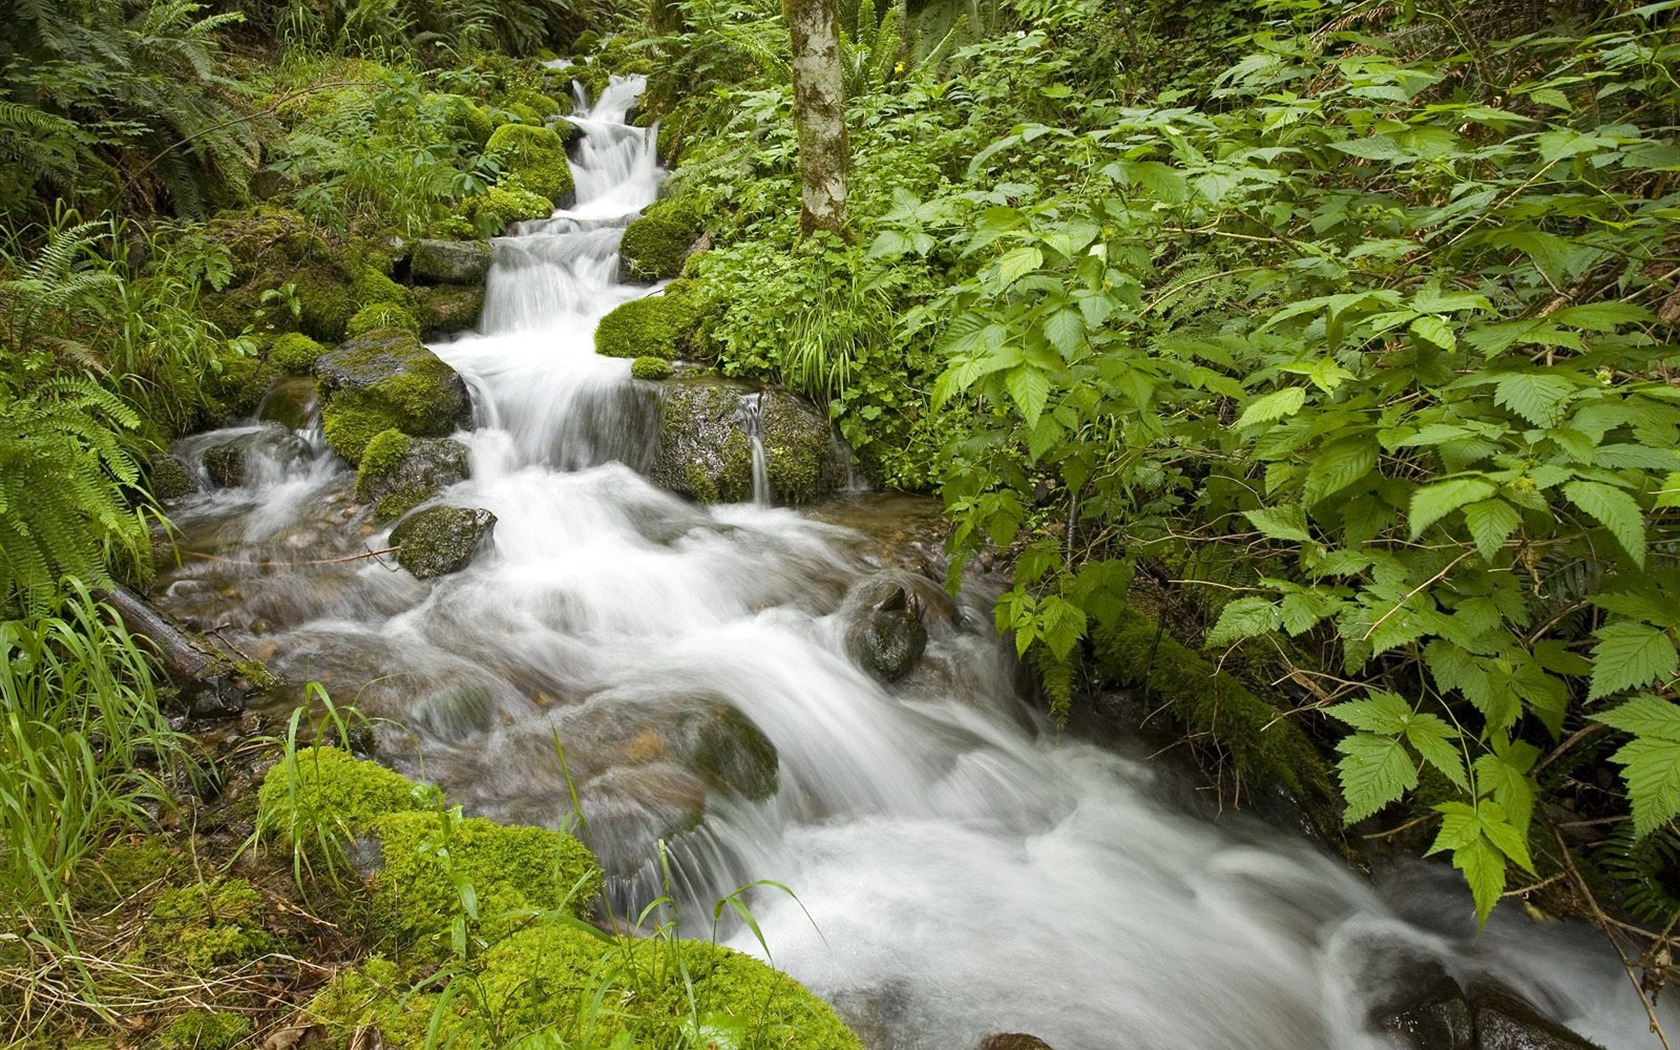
{"x":959,"y":869}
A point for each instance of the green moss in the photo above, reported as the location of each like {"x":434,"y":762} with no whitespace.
{"x":204,"y":1030}
{"x":331,"y":788}
{"x":534,"y":159}
{"x":494,"y":210}
{"x":325,"y":299}
{"x":655,"y":246}
{"x":452,"y":228}
{"x":372,"y":285}
{"x":375,"y":316}
{"x":383,"y":454}
{"x":469,"y":120}
{"x":352,"y":419}
{"x":654,"y":326}
{"x":650,"y":368}
{"x":124,"y":869}
{"x":543,"y":105}
{"x":295,"y":353}
{"x":526,"y":114}
{"x":1264,"y":746}
{"x":386,"y":379}
{"x":511,"y":869}
{"x":207,"y":925}
{"x":168,"y":478}
{"x":372,"y":994}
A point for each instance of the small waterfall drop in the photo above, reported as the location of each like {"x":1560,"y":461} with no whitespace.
{"x":960,"y":868}
{"x":752,"y":410}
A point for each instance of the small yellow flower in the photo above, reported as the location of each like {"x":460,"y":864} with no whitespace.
{"x":899,"y":68}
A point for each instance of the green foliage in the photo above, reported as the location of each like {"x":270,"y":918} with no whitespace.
{"x":205,"y":1030}
{"x":321,"y":797}
{"x":82,"y":745}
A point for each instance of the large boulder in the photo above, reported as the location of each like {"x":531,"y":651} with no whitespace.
{"x":706,"y":453}
{"x":450,"y":262}
{"x":535,"y":159}
{"x":1012,"y":1041}
{"x":661,"y":325}
{"x":656,"y":245}
{"x":398,"y":472}
{"x":441,"y":540}
{"x":387,"y":380}
{"x":1444,"y":1016}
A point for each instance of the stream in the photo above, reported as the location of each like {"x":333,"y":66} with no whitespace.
{"x":960,"y":868}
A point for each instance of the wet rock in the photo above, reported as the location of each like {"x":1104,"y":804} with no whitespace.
{"x":1504,"y":1022}
{"x":630,"y":810}
{"x":706,"y":454}
{"x":1012,"y":1041}
{"x":441,"y":540}
{"x":237,"y":461}
{"x":424,"y":467}
{"x":448,"y":307}
{"x":384,"y":380}
{"x":450,"y":262}
{"x":290,"y":402}
{"x":727,"y":751}
{"x":169,"y":479}
{"x":890,"y":637}
{"x":1439,"y":1018}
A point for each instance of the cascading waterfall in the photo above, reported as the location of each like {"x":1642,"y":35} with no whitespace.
{"x":752,"y":409}
{"x":964,"y":870}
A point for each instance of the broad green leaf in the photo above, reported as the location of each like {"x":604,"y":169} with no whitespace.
{"x":1064,"y":329}
{"x":1374,"y":771}
{"x":1629,"y":655}
{"x":1644,"y":716}
{"x":1029,"y":388}
{"x":1499,"y":831}
{"x":1382,"y":713}
{"x":1615,"y":510}
{"x":1537,"y":398}
{"x":1338,"y":466}
{"x":1505,"y":774}
{"x":1484,"y":870}
{"x":1017,"y":263}
{"x":1244,"y":618}
{"x":1431,"y":503}
{"x":1601,"y":317}
{"x":1287,"y":522}
{"x":1435,"y":329}
{"x":1651,"y":767}
{"x":1272,"y":406}
{"x":1459,"y":827}
{"x":1491,"y":523}
{"x":1669,"y":494}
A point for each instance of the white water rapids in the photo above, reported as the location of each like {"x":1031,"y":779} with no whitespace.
{"x":965,"y":870}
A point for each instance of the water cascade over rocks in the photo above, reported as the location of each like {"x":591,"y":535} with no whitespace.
{"x":965,"y":871}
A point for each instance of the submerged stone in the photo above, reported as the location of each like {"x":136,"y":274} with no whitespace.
{"x":235,"y":462}
{"x":441,"y":540}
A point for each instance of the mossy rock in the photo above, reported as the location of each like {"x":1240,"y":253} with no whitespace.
{"x":656,"y":245}
{"x":441,"y":540}
{"x":650,"y":368}
{"x":496,"y":209}
{"x":375,"y":316}
{"x":448,"y":307}
{"x":511,"y":869}
{"x":450,"y":262}
{"x":889,"y":638}
{"x":295,"y":353}
{"x":168,"y":478}
{"x":325,"y":300}
{"x":706,"y":454}
{"x":398,"y":473}
{"x":1265,"y":747}
{"x":468,"y":119}
{"x":331,"y":789}
{"x":660,"y":325}
{"x":387,"y":379}
{"x":727,"y":750}
{"x":535,"y":159}
{"x":265,"y":239}
{"x":544,"y":106}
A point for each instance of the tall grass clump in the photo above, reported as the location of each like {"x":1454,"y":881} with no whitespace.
{"x":83,"y":753}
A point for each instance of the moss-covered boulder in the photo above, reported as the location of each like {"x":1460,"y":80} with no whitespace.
{"x":705,"y":452}
{"x":535,"y":159}
{"x":447,"y":308}
{"x":492,"y":211}
{"x":441,"y":540}
{"x":324,"y":787}
{"x":168,"y":478}
{"x":387,"y":380}
{"x":450,"y":262}
{"x":661,"y":325}
{"x":398,"y":472}
{"x":889,"y":638}
{"x":656,"y":244}
{"x":295,"y":353}
{"x":726,"y":750}
{"x":375,"y":316}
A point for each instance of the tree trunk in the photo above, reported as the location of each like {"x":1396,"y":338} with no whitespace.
{"x":819,"y":112}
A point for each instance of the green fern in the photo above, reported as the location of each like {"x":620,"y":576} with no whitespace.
{"x":1638,"y":864}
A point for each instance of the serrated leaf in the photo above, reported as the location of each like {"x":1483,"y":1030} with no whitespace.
{"x":1287,"y":522}
{"x":1484,"y":870}
{"x":1491,"y":523}
{"x":1065,"y":329}
{"x":1029,"y":388}
{"x":1382,"y":713}
{"x":1374,"y":771}
{"x":1435,"y":329}
{"x":1629,"y":655}
{"x":1272,"y":406}
{"x":1431,"y":503}
{"x":1644,"y":716}
{"x":1459,"y":827}
{"x":1435,"y":741}
{"x":1601,"y":317}
{"x":1537,"y":398}
{"x":1335,"y":468}
{"x":1017,"y":263}
{"x":1651,"y":767}
{"x":1615,"y":510}
{"x":1505,"y":775}
{"x":1669,"y":494}
{"x":1244,"y":618}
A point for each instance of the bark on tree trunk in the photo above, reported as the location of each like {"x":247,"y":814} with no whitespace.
{"x":819,"y":112}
